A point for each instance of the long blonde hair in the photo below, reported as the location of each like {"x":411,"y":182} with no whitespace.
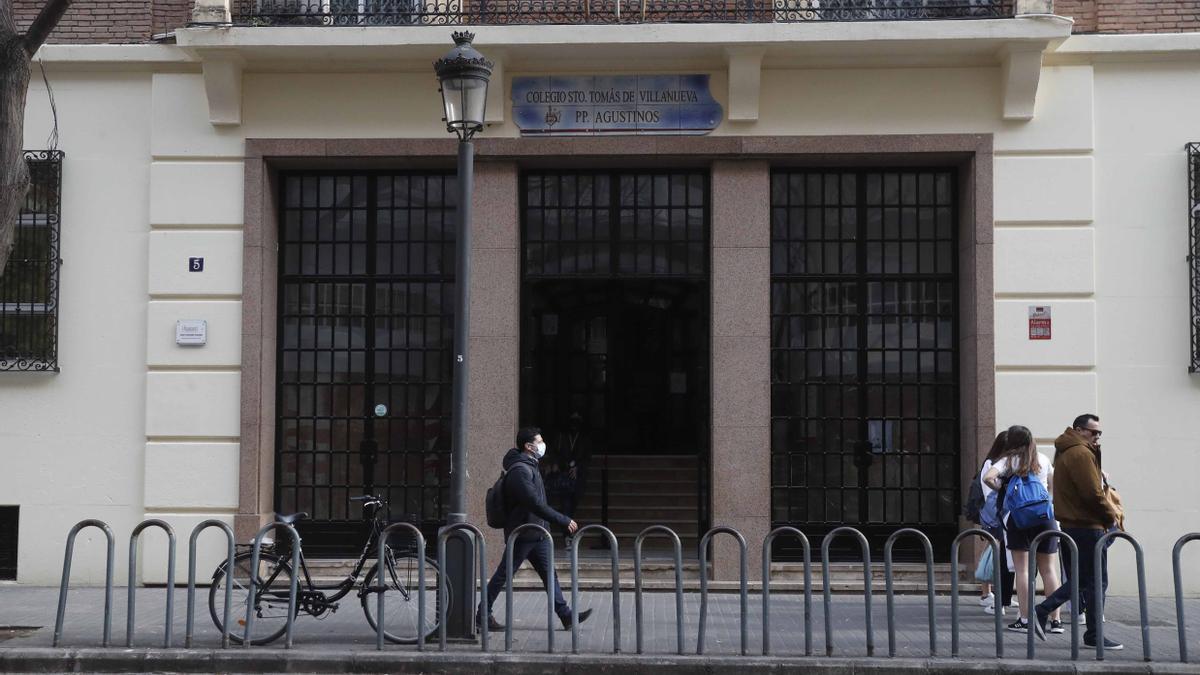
{"x":1022,"y":451}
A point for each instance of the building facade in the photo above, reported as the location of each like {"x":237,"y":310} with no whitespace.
{"x":792,"y":266}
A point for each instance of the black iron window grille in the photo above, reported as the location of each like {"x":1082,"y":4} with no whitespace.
{"x":365,"y":349}
{"x":29,"y":285}
{"x":574,"y":12}
{"x":630,"y":224}
{"x":864,"y":400}
{"x":1193,"y":155}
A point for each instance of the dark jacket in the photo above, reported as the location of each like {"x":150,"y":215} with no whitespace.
{"x":525,"y":496}
{"x":1080,"y":499}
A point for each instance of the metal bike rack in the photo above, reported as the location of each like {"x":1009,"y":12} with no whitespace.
{"x":481,"y":546}
{"x":998,"y":558}
{"x":133,"y":542}
{"x":1073,"y":580}
{"x":616,"y":584}
{"x":637,"y":583}
{"x":1177,"y":569}
{"x":381,"y":587}
{"x":508,"y":590}
{"x":66,"y":577}
{"x":292,"y":592}
{"x":866,"y":553}
{"x":191,"y":586}
{"x":768,"y":543}
{"x":929,"y":587}
{"x":745,"y":572}
{"x":1098,"y":595}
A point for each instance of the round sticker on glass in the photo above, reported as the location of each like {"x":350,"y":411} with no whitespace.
{"x":380,"y":410}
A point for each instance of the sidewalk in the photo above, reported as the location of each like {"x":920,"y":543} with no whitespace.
{"x":27,"y":624}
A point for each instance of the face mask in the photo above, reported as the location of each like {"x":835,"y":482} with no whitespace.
{"x":541,"y":450}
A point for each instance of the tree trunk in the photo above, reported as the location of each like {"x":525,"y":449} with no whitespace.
{"x":14,"y":85}
{"x":15,"y":54}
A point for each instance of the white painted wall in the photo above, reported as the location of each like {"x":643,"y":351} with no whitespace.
{"x":1147,"y":399}
{"x":71,"y":443}
{"x":1088,"y":201}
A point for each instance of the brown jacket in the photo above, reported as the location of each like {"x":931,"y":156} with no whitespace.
{"x":1080,"y":499}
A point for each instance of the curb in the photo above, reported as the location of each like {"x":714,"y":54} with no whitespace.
{"x":41,"y":660}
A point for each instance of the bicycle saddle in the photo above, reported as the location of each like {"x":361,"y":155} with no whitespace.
{"x":291,"y":519}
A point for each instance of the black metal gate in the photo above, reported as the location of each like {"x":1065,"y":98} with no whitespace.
{"x":864,"y":360}
{"x":365,"y":340}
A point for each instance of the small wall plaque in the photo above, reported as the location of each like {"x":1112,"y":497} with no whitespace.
{"x":1039,"y":322}
{"x":191,"y":332}
{"x":195,"y":264}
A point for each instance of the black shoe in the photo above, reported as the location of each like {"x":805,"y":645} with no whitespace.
{"x":566,"y":620}
{"x":492,"y":624}
{"x":1040,"y":616}
{"x":1111,"y":645}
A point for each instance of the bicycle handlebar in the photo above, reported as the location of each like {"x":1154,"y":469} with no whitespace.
{"x":368,"y":498}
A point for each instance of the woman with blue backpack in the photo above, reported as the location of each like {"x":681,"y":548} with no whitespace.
{"x":1022,"y":477}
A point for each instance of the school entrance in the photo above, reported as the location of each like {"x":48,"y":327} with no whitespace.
{"x":615,"y":343}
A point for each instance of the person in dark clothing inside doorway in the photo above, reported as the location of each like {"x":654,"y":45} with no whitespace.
{"x":525,"y":502}
{"x":567,"y":464}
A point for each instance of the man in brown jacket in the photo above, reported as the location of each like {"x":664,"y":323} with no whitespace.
{"x":1085,"y":512}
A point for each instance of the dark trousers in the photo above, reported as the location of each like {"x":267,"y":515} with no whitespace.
{"x":1085,"y":540}
{"x":537,"y":552}
{"x":1008,"y":578}
{"x":1008,"y":581}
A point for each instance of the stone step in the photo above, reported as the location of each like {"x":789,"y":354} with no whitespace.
{"x":643,"y":513}
{"x":616,"y":462}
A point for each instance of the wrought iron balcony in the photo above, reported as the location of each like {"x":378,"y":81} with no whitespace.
{"x":579,"y":12}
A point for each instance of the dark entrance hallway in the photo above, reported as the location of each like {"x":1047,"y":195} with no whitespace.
{"x":615,"y":331}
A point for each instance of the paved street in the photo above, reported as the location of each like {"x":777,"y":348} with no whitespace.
{"x":27,"y":620}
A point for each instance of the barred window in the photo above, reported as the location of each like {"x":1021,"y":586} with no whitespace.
{"x":1193,"y":154}
{"x":29,"y":285}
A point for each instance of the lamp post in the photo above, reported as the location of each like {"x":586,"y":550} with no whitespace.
{"x":463,"y":74}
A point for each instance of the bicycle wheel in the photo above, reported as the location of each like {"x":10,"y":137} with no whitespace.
{"x":401,"y":604}
{"x":270,"y":607}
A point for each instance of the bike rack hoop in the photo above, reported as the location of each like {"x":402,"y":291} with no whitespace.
{"x":768,"y":544}
{"x":66,"y":578}
{"x":133,"y":543}
{"x":191,"y":587}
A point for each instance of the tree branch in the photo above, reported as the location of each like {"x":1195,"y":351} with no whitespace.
{"x":45,"y":22}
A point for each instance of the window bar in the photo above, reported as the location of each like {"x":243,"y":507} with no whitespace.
{"x":1193,"y":154}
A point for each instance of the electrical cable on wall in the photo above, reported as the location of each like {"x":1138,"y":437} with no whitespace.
{"x":52,"y":141}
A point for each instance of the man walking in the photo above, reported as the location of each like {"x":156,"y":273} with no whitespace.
{"x":525,"y":502}
{"x":1085,"y":512}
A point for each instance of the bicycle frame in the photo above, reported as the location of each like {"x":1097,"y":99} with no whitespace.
{"x":311,"y":591}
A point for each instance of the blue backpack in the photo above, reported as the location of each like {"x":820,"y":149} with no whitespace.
{"x":989,"y":513}
{"x":1027,"y":502}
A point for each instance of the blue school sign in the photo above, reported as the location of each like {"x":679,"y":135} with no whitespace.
{"x":596,"y":105}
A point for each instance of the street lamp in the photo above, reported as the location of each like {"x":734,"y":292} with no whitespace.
{"x":463,"y":74}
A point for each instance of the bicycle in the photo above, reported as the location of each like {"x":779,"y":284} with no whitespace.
{"x":275,"y":579}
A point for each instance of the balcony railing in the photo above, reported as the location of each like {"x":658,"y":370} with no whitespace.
{"x":577,"y":12}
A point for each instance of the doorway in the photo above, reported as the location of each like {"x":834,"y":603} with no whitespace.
{"x":615,"y":332}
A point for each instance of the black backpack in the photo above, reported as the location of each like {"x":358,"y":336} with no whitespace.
{"x":497,"y":513}
{"x":974,"y":501}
